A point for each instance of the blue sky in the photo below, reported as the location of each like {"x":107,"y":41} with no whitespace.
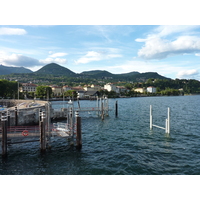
{"x":171,"y":50}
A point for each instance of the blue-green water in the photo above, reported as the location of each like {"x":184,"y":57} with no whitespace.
{"x":122,"y":145}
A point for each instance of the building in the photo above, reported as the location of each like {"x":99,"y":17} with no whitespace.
{"x":66,"y":88}
{"x":56,"y":90}
{"x":96,"y":87}
{"x":121,"y":89}
{"x":151,"y":89}
{"x":28,"y":87}
{"x":80,"y":94}
{"x":110,"y":87}
{"x":140,"y":90}
{"x":91,"y":94}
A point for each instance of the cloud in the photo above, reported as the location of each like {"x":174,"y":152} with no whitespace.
{"x":165,"y":30}
{"x":18,"y":60}
{"x":187,"y":73}
{"x":96,"y":56}
{"x":57,"y":54}
{"x":51,"y":60}
{"x":157,"y":48}
{"x":12,"y":31}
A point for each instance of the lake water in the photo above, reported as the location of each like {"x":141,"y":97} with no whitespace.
{"x":122,"y":145}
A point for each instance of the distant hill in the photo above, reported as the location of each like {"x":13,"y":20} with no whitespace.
{"x":56,"y":70}
{"x":97,"y":74}
{"x":4,"y":70}
{"x":131,"y":76}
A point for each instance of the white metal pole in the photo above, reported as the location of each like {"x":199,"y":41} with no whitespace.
{"x":168,"y":120}
{"x":166,"y":126}
{"x":151,"y":118}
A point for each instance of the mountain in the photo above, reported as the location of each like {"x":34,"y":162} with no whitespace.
{"x":97,"y":74}
{"x":4,"y":70}
{"x":56,"y":70}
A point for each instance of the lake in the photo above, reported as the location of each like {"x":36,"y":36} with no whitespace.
{"x":122,"y":145}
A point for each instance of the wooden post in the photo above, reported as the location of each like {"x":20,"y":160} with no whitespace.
{"x":42,"y":133}
{"x":16,"y":116}
{"x":78,"y":132}
{"x":8,"y":117}
{"x":116,"y":108}
{"x":102,"y":111}
{"x":4,"y":133}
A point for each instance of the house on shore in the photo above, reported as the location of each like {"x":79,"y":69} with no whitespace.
{"x":140,"y":90}
{"x":151,"y":89}
{"x":28,"y":87}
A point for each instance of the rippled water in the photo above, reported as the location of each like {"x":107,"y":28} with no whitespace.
{"x":122,"y":145}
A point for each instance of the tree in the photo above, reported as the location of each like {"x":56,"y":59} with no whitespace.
{"x":70,"y":93}
{"x":43,"y":92}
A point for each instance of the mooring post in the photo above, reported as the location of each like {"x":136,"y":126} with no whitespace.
{"x":168,"y":120}
{"x":4,"y":133}
{"x":8,"y":117}
{"x":102,"y":111}
{"x":16,"y":116}
{"x":42,"y":133}
{"x":97,"y":106}
{"x":116,"y":108}
{"x":78,"y":131}
{"x":151,"y":118}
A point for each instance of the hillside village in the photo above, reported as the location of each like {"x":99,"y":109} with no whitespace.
{"x":86,"y":92}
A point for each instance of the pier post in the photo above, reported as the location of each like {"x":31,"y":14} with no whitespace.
{"x":151,"y":118}
{"x":78,"y":131}
{"x":8,"y":117}
{"x":168,"y":120}
{"x":102,"y":111}
{"x":42,"y":133}
{"x":16,"y":116}
{"x":116,"y":109}
{"x":4,"y":133}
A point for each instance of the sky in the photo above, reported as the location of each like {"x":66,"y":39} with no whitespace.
{"x":170,"y":50}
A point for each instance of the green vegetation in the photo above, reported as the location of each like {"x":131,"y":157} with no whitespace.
{"x":8,"y":89}
{"x":54,"y":74}
{"x":43,"y":92}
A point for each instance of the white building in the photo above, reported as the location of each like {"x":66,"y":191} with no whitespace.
{"x":151,"y":89}
{"x":29,"y":87}
{"x":110,"y":87}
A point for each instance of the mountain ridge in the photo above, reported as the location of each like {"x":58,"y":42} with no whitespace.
{"x":4,"y":70}
{"x":58,"y":70}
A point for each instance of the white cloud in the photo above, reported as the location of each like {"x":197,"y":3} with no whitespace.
{"x":157,"y":48}
{"x":58,"y":55}
{"x":12,"y":31}
{"x":51,"y":60}
{"x":18,"y":60}
{"x":96,"y":56}
{"x":187,"y":73}
{"x":165,"y":30}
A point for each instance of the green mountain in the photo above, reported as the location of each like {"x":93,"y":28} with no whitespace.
{"x":55,"y":69}
{"x":97,"y":74}
{"x":4,"y":70}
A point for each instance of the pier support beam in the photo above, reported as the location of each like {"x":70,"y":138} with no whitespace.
{"x":78,"y":131}
{"x":151,"y":118}
{"x":116,"y":109}
{"x":42,"y":133}
{"x":16,"y":116}
{"x":4,"y":133}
